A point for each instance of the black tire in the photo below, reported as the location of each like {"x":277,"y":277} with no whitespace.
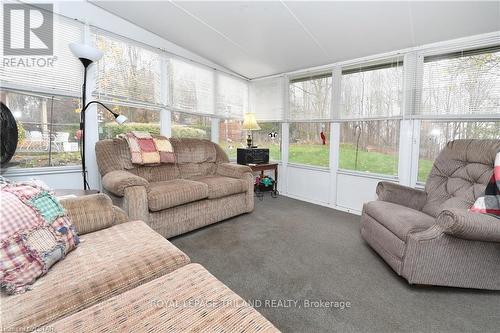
{"x":8,"y":134}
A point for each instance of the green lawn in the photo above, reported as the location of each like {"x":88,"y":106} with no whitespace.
{"x":316,"y":155}
{"x":374,"y":162}
{"x":424,"y":168}
{"x":41,"y":159}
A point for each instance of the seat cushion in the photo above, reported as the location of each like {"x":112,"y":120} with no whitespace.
{"x":219,"y":186}
{"x":168,"y":194}
{"x":400,"y":220}
{"x":106,"y":263}
{"x":187,"y":300}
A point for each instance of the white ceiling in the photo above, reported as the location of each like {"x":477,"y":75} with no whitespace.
{"x":256,"y":39}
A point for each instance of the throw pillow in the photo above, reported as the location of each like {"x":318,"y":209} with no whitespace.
{"x":490,"y":202}
{"x":36,"y":233}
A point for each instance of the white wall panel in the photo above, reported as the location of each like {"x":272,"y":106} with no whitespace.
{"x":354,"y":190}
{"x":60,"y":179}
{"x":308,"y":184}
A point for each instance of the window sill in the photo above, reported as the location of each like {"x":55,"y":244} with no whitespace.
{"x":367,"y":175}
{"x":309,"y":167}
{"x":16,"y":171}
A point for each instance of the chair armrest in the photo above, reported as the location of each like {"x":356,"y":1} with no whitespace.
{"x":93,"y":212}
{"x":233,"y":170}
{"x":401,"y":195}
{"x":117,"y":181}
{"x":469,"y":225}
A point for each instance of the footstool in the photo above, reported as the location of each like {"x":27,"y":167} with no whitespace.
{"x":189,"y":299}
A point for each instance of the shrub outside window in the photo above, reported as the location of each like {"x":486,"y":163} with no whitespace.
{"x":139,"y":119}
{"x":185,"y":125}
{"x":47,"y":128}
{"x":370,"y":146}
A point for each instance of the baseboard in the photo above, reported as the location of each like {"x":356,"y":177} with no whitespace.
{"x":324,"y":204}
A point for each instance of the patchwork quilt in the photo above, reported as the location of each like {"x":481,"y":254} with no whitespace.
{"x":148,"y":150}
{"x":36,"y":233}
{"x":490,"y":202}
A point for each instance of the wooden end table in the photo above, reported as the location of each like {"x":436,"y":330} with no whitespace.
{"x":266,"y":167}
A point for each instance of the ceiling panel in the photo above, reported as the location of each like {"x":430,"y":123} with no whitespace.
{"x":353,"y":29}
{"x":172,"y":23}
{"x":266,"y":30}
{"x":256,"y":39}
{"x":437,"y":21}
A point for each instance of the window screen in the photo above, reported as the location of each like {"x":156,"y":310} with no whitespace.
{"x":372,"y":91}
{"x":462,"y":83}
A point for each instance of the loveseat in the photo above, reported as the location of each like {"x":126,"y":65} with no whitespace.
{"x":429,"y":236}
{"x":201,"y":188}
{"x":125,"y":277}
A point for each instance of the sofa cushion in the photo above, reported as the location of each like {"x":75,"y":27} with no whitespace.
{"x":400,"y":220}
{"x":219,"y":186}
{"x":107,"y":262}
{"x":190,"y":170}
{"x":187,"y":300}
{"x":36,"y":234}
{"x":188,"y":150}
{"x":168,"y":194}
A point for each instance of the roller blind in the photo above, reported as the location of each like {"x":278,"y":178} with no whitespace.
{"x":60,"y":73}
{"x":372,"y":91}
{"x":461,"y":83}
{"x":191,"y":87}
{"x":267,"y":99}
{"x":128,"y":71}
{"x":232,"y":96}
{"x":310,"y":98}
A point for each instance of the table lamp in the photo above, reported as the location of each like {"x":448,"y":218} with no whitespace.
{"x":250,"y":124}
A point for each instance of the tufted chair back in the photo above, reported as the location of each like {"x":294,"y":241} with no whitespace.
{"x":460,"y":174}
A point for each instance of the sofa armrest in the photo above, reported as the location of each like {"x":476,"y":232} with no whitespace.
{"x":117,"y":181}
{"x":233,"y":170}
{"x":401,"y":195}
{"x":93,"y":212}
{"x":469,"y":225}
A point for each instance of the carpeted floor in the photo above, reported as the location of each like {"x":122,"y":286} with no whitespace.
{"x":291,"y":250}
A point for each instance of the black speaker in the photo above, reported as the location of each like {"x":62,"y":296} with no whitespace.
{"x":252,"y":156}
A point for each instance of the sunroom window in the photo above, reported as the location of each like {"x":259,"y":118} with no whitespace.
{"x":371,"y":108}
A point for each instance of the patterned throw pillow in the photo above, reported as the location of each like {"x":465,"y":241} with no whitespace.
{"x":490,"y":202}
{"x":36,"y":233}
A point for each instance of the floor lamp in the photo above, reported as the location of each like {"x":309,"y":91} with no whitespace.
{"x":87,"y":55}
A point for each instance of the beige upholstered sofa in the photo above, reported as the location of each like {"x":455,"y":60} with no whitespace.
{"x":200,"y":189}
{"x":114,"y":256}
{"x":125,"y":277}
{"x":428,"y":236}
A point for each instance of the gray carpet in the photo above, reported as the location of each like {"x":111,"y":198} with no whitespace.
{"x":291,"y":250}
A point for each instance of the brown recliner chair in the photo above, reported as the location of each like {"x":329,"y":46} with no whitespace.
{"x":430,"y":237}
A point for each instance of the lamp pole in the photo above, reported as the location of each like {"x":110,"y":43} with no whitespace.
{"x":87,"y":55}
{"x":86,"y":63}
